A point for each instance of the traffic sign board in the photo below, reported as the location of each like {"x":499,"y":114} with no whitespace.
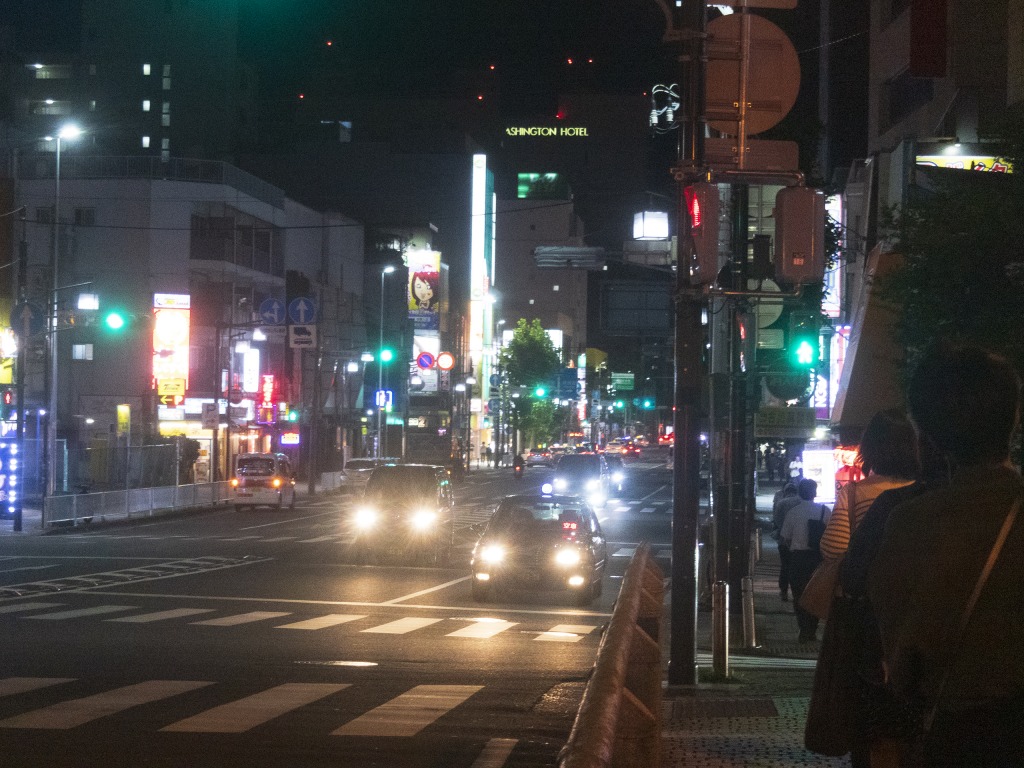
{"x":495,"y":379}
{"x":302,"y":336}
{"x":172,"y":401}
{"x":27,"y":317}
{"x":272,"y":312}
{"x":425,"y":360}
{"x":302,"y":310}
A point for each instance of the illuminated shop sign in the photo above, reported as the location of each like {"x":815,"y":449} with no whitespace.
{"x":171,"y":350}
{"x":966,"y":163}
{"x":9,"y":471}
{"x":563,"y":131}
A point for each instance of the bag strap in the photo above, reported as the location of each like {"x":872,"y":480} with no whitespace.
{"x":972,"y":601}
{"x":851,"y":503}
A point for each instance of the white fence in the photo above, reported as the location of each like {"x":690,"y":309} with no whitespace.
{"x":107,"y":506}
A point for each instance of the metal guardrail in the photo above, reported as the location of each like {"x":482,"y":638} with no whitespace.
{"x":107,"y":506}
{"x":125,"y":505}
{"x":618,"y":724}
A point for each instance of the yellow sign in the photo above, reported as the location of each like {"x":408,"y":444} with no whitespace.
{"x":574,"y":131}
{"x":170,"y":387}
{"x":966,"y":163}
{"x":124,"y":419}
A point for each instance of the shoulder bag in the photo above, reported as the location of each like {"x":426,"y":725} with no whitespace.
{"x":824,"y":582}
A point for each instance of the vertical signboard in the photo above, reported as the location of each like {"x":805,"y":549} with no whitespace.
{"x":171,"y":319}
{"x":424,"y":289}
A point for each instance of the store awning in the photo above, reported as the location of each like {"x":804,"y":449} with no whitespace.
{"x":870,"y":381}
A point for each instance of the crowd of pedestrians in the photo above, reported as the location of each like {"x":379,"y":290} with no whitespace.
{"x":920,"y":663}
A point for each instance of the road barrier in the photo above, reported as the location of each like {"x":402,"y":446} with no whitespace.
{"x":619,"y":720}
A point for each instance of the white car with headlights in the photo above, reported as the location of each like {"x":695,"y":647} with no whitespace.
{"x":406,"y":512}
{"x":541,"y":542}
{"x":581,"y":474}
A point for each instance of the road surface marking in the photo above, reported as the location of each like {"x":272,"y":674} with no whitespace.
{"x":176,"y":613}
{"x":495,"y":754}
{"x":79,"y":613}
{"x":15,"y":685}
{"x":320,"y":539}
{"x":330,"y":620}
{"x":427,"y":591}
{"x":624,"y":552}
{"x":70,"y":714}
{"x":402,"y":626}
{"x":566,"y":633}
{"x":241,"y":618}
{"x":483,"y":629}
{"x":241,"y":715}
{"x":409,"y":713}
{"x":27,"y":607}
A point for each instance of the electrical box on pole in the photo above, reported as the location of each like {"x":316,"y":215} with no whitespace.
{"x":799,"y":235}
{"x":702,"y":207}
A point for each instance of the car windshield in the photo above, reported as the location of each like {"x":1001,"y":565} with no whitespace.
{"x":576,"y":463}
{"x":520,"y":516}
{"x":402,"y":484}
{"x":614,"y":462}
{"x":255,"y":466}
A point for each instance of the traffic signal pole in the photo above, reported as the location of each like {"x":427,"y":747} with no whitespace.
{"x":689,"y":377}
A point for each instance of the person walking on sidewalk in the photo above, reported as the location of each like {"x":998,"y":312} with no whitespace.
{"x":887,"y":456}
{"x":785,"y":500}
{"x":801,"y":532}
{"x":954,"y":647}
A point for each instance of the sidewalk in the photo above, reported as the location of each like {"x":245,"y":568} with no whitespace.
{"x":757,"y":719}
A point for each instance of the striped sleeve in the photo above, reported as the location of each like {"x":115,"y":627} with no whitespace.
{"x":836,"y":539}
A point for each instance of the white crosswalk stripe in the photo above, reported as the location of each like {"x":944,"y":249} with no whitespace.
{"x":402,"y":626}
{"x":146,"y":618}
{"x":566,"y":633}
{"x":483,"y":629}
{"x":409,"y":713}
{"x":81,"y":612}
{"x":241,"y":618}
{"x":15,"y":685}
{"x":19,"y":607}
{"x":239,"y":716}
{"x":322,"y":622}
{"x":70,"y":714}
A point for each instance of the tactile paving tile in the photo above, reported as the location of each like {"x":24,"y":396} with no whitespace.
{"x":736,"y":706}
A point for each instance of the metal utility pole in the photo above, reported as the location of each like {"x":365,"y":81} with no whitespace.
{"x":689,"y":376}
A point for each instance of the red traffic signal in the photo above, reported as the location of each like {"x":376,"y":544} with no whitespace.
{"x":702,"y":207}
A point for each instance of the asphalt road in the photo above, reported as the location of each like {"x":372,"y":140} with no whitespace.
{"x":250,"y":639}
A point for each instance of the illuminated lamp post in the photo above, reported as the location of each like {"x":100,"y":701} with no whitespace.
{"x":380,"y":364}
{"x":66,"y":132}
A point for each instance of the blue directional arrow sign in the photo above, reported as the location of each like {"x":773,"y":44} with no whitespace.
{"x":27,"y":317}
{"x":272,"y":312}
{"x":302,"y":310}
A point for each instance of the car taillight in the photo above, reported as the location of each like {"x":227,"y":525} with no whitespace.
{"x":277,"y":482}
{"x":234,"y":482}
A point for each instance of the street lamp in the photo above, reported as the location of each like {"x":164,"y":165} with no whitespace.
{"x":66,"y":132}
{"x":380,"y":364}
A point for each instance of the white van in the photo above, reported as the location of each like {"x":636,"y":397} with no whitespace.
{"x":263,"y":479}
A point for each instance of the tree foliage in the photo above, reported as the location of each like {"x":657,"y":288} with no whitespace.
{"x":530,"y":360}
{"x":962,"y":271}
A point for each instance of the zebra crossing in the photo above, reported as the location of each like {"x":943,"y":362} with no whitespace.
{"x":456,"y":627}
{"x":402,"y":716}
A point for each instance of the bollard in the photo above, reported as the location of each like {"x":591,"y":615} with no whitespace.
{"x":749,"y":633}
{"x":720,"y":629}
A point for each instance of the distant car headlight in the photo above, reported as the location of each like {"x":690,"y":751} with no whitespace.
{"x":276,"y":482}
{"x":567,"y":556}
{"x":617,"y":477}
{"x":423,"y":519}
{"x":593,"y":485}
{"x":492,"y":553}
{"x":365,"y":518}
{"x":561,"y":484}
{"x":546,"y":488}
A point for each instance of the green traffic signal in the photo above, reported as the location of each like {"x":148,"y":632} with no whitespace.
{"x":540,"y":392}
{"x":805,"y":354}
{"x":115,"y":320}
{"x":386,"y":355}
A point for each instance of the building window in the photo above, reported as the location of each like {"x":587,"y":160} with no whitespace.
{"x":145,"y":142}
{"x":167,"y":84}
{"x":167,"y":70}
{"x":92,"y":70}
{"x":165,"y":156}
{"x":92,"y":105}
{"x":81,"y":351}
{"x":85,"y":217}
{"x":145,"y":105}
{"x":165,"y":108}
{"x":165,"y":114}
{"x":554,"y":287}
{"x":147,"y":70}
{"x":902,"y":96}
{"x":165,"y":121}
{"x":165,"y":143}
{"x":52,"y":71}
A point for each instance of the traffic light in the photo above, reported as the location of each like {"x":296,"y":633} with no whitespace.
{"x":115,"y":320}
{"x":702,"y":205}
{"x":386,"y":355}
{"x":799,"y":235}
{"x":7,"y":407}
{"x":804,"y":343}
{"x":540,"y":391}
{"x":647,"y":404}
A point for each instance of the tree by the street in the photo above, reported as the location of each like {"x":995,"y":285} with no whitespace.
{"x":961,"y":276}
{"x":530,"y":361}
